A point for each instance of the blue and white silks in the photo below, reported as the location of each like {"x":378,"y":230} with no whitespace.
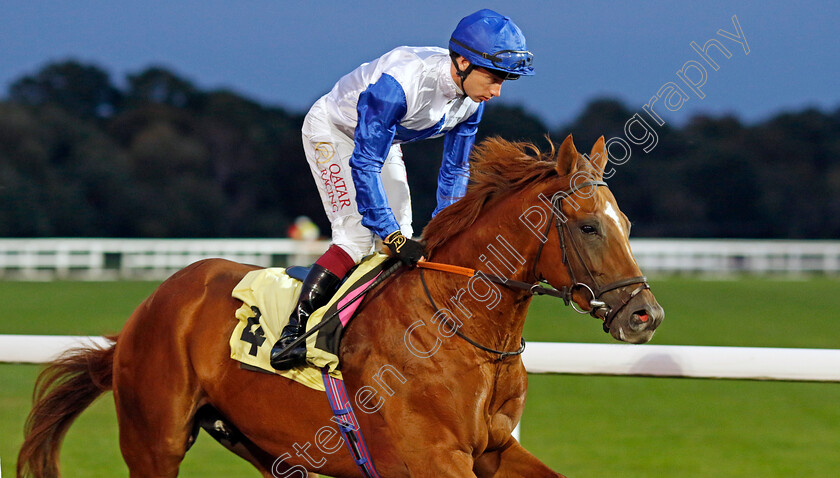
{"x":405,"y":95}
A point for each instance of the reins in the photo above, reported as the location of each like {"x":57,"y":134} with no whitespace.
{"x":468,"y":273}
{"x":598,"y":307}
{"x":534,"y":288}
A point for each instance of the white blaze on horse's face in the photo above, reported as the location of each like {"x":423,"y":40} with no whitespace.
{"x":613,"y":214}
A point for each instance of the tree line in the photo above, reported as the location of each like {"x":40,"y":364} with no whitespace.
{"x":159,"y":157}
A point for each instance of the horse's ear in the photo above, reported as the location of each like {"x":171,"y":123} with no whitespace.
{"x":598,"y":156}
{"x":567,"y":157}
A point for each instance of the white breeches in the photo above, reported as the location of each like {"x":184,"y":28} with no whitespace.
{"x":328,"y":152}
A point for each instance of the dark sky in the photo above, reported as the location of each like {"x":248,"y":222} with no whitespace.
{"x":288,"y":53}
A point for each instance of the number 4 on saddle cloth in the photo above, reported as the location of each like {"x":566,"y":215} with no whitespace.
{"x":268,"y":296}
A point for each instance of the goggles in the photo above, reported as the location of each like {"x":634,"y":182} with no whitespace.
{"x":507,"y":62}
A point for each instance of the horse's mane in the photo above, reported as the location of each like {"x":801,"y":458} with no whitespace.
{"x":497,"y":168}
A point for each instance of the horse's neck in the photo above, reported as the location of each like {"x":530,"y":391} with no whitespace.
{"x":498,"y":243}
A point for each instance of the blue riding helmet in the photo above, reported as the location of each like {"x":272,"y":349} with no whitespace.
{"x":492,"y":41}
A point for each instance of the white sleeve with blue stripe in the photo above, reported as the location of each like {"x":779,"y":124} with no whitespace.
{"x":381,"y":106}
{"x":455,"y":167}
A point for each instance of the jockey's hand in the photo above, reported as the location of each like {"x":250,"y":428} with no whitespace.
{"x":409,"y":251}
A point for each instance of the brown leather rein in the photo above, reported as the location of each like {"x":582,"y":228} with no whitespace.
{"x":598,"y":307}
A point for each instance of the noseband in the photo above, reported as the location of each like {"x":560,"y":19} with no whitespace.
{"x":598,"y":307}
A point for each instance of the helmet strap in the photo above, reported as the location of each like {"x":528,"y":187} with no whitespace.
{"x":462,"y":74}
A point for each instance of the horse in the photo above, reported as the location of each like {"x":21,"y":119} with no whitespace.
{"x":431,"y":403}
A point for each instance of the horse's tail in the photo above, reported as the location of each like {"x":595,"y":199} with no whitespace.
{"x":62,"y":391}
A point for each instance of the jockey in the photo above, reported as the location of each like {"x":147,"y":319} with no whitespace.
{"x":352,"y":137}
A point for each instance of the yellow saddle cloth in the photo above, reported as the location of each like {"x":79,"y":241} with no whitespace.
{"x":268,"y":296}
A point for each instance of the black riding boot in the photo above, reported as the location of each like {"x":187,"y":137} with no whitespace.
{"x":316,"y":291}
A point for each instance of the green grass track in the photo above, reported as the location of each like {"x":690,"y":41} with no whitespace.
{"x":581,"y":426}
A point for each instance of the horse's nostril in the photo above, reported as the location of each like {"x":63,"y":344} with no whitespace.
{"x":640,"y":320}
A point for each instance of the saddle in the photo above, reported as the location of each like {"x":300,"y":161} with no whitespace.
{"x":268,"y":297}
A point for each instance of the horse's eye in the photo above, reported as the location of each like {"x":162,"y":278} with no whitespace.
{"x":587,"y":229}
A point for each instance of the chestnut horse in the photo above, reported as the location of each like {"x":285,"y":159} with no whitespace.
{"x":429,"y":403}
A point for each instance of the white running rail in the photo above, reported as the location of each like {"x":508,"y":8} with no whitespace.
{"x":109,"y":259}
{"x":747,"y":363}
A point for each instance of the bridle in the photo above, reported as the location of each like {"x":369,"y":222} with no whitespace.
{"x":598,"y":307}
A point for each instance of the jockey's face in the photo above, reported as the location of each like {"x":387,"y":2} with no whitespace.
{"x":480,"y":85}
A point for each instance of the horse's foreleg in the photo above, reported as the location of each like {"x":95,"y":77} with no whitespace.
{"x":512,"y":461}
{"x":439,"y":462}
{"x":426,"y":448}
